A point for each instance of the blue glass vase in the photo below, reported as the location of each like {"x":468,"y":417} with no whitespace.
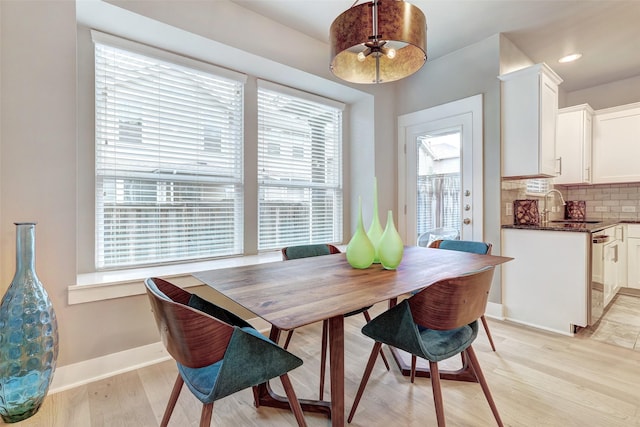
{"x":28,"y":335}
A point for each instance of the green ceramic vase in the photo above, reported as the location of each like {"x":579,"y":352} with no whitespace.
{"x":375,"y":230}
{"x":360,"y":251}
{"x":390,"y":248}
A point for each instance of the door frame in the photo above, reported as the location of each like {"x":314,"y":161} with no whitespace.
{"x":409,"y":125}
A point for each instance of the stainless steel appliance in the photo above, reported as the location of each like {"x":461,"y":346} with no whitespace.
{"x":596,"y":295}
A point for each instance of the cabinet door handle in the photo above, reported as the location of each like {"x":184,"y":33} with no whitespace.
{"x":559,"y":166}
{"x":587,"y":174}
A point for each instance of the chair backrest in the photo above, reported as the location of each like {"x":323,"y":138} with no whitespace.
{"x":426,"y":238}
{"x":306,"y":251}
{"x":481,"y":248}
{"x":193,"y":338}
{"x":452,"y":303}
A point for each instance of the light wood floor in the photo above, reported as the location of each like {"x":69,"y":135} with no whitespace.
{"x":537,"y":379}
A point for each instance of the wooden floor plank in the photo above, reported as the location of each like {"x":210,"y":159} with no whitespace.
{"x":536,"y":377}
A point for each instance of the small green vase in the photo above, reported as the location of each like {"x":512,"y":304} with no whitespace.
{"x":390,"y":247}
{"x":375,"y":230}
{"x":360,"y":251}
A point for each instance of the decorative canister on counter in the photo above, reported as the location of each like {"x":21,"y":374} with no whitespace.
{"x":525,"y":212}
{"x":575,"y":209}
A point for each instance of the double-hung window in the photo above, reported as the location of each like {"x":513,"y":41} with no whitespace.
{"x":168,"y":153}
{"x":300,"y":194}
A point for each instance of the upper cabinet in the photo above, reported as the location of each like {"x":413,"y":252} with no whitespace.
{"x":573,"y":144}
{"x":529,"y":107}
{"x":616,"y":144}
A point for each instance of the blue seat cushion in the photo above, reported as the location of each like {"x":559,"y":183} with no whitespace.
{"x":465,"y":246}
{"x":306,"y":251}
{"x":441,"y":345}
{"x":248,"y":362}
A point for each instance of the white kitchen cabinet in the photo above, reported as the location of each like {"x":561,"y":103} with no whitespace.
{"x":573,"y":144}
{"x":547,"y":284}
{"x":633,"y":256}
{"x":529,"y":107}
{"x":614,"y":266}
{"x":616,"y":144}
{"x":611,"y":271}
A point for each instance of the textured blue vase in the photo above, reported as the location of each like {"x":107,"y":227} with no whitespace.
{"x":28,"y":335}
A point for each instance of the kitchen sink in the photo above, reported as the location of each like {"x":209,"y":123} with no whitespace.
{"x":574,"y":221}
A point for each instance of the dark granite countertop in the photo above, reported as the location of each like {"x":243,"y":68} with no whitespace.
{"x":583,"y":227}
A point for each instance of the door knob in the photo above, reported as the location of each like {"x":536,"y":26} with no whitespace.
{"x":466,"y":221}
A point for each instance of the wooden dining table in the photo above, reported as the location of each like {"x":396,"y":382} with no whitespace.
{"x":299,"y":292}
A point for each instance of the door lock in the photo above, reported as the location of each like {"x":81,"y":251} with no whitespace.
{"x":466,"y":221}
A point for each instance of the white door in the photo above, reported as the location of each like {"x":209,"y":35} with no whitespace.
{"x":440,"y":171}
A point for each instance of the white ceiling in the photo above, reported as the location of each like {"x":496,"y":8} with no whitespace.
{"x":606,"y":32}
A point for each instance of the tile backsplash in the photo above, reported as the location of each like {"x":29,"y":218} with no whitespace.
{"x":603,"y":201}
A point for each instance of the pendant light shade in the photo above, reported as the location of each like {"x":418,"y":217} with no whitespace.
{"x":378,"y":42}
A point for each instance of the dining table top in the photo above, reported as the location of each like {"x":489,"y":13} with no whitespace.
{"x":302,"y":291}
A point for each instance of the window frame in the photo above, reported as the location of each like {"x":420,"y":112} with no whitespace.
{"x":273,"y":240}
{"x":182,"y":65}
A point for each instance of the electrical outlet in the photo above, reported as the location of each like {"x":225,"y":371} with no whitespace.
{"x":628,"y":208}
{"x":508,"y":209}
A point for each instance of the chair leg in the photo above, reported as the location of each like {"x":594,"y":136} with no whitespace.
{"x":323,"y":355}
{"x":205,"y":418}
{"x":288,"y":340}
{"x":437,"y":392}
{"x":365,"y":377}
{"x":486,"y":329}
{"x":367,"y":317}
{"x":414,"y":360}
{"x":256,"y":396}
{"x":293,"y":400}
{"x":175,"y":392}
{"x":475,"y":365}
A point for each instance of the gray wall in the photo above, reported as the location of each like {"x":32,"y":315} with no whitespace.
{"x":467,"y":72}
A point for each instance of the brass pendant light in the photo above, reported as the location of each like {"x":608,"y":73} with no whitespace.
{"x":378,"y":42}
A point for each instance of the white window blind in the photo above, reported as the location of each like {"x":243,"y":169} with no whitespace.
{"x":169,"y":181}
{"x":537,"y":186}
{"x":299,"y":169}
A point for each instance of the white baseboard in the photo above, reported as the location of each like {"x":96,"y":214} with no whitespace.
{"x":77,"y":374}
{"x":85,"y":372}
{"x":494,"y":311}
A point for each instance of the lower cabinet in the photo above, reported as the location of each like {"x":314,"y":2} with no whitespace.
{"x":633,"y":256}
{"x":547,"y":284}
{"x":611,"y":272}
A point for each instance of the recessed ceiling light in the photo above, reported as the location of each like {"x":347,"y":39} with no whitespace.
{"x":570,"y":58}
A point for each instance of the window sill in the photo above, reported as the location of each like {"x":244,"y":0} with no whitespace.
{"x":117,"y":284}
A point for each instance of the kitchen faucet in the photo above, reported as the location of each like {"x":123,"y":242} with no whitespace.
{"x":545,"y":212}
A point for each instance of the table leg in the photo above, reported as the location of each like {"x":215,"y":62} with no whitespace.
{"x":267,"y":397}
{"x":336,"y":366}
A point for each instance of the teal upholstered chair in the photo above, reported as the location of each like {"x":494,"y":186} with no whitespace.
{"x":306,"y":251}
{"x":217,"y":352}
{"x":437,"y":323}
{"x":481,"y":248}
